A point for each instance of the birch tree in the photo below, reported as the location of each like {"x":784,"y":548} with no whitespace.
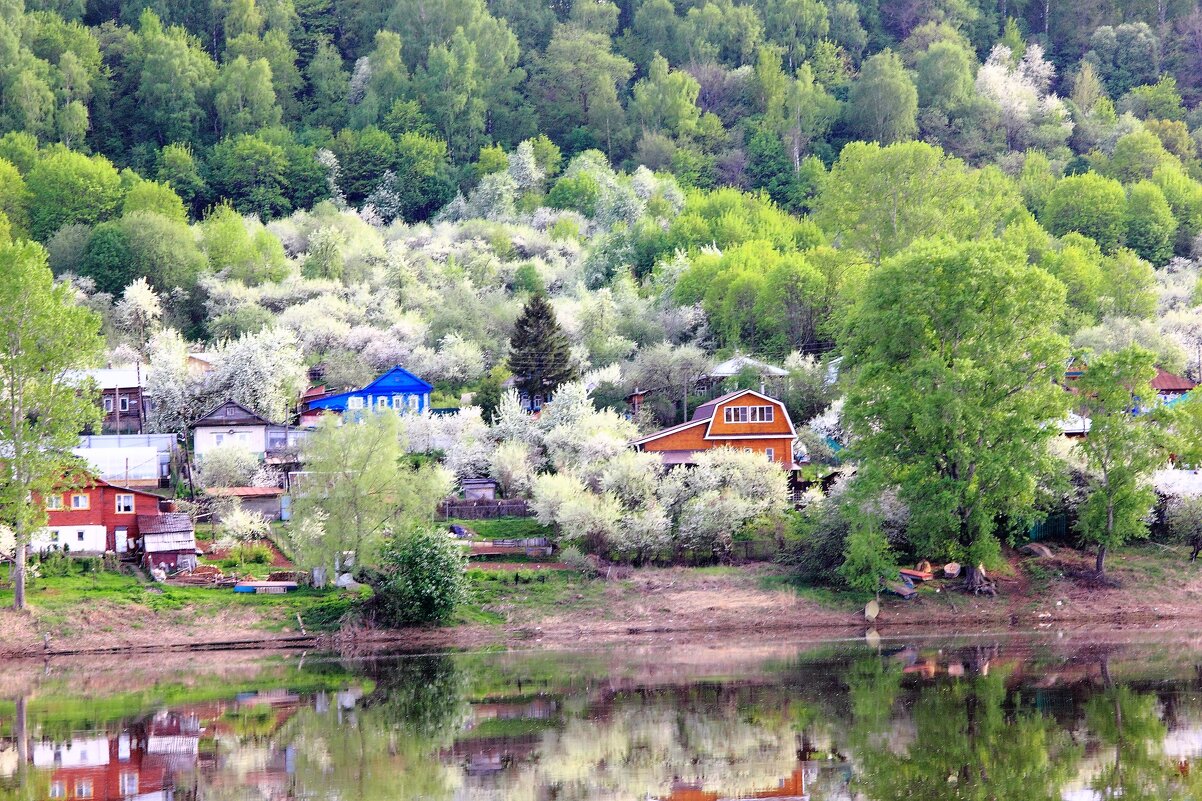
{"x":44,"y":338}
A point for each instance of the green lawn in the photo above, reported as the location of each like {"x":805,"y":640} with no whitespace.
{"x":505,"y":528}
{"x":56,"y":602}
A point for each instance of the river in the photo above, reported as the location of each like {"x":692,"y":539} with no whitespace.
{"x":1064,"y":716}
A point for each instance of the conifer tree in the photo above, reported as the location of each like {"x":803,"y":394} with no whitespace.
{"x":540,"y":356}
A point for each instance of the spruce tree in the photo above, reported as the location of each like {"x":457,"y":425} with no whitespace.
{"x":540,"y":356}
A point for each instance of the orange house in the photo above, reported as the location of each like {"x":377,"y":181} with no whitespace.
{"x":744,"y":419}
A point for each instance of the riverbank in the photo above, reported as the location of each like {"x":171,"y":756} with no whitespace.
{"x":1149,"y":586}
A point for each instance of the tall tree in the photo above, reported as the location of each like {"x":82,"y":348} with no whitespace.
{"x":952,"y":357}
{"x":360,"y":490}
{"x":1122,"y":449}
{"x":540,"y":356}
{"x":44,"y":337}
{"x":883,"y":103}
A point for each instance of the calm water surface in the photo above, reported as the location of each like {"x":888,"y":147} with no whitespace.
{"x":1055,"y":717}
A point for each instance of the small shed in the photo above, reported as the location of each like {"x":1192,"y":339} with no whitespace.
{"x":267,"y":501}
{"x":478,"y":489}
{"x":168,"y":541}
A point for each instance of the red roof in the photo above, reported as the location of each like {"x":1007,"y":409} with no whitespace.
{"x":245,"y":492}
{"x":1167,"y":382}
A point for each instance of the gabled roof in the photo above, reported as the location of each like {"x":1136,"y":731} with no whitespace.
{"x":1167,"y":382}
{"x":399,"y":378}
{"x":231,"y":413}
{"x":397,"y":381}
{"x":737,"y":364}
{"x":704,"y":415}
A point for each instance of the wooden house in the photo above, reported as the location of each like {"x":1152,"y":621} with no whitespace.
{"x":744,"y":419}
{"x":398,"y":390}
{"x":96,"y":518}
{"x":168,"y":541}
{"x":1171,"y":387}
{"x":123,"y":397}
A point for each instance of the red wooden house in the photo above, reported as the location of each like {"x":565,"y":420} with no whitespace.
{"x":744,"y":419}
{"x":96,"y":518}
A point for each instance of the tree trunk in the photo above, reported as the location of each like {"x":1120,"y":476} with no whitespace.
{"x":19,"y":569}
{"x":1100,"y":564}
{"x":976,"y":582}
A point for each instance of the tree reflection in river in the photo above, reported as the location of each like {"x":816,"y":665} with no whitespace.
{"x":940,"y":722}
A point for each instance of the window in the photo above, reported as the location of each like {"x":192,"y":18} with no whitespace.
{"x":123,"y":403}
{"x":736,"y":414}
{"x":125,"y":504}
{"x":108,"y":405}
{"x":54,"y":535}
{"x":129,"y":783}
{"x":537,"y":403}
{"x":354,"y":403}
{"x":83,"y":788}
{"x":771,"y":454}
{"x":58,"y":789}
{"x":79,"y":536}
{"x":762,"y":414}
{"x":80,"y":501}
{"x":54,"y":503}
{"x":398,"y":401}
{"x":381,"y":403}
{"x":413,"y":402}
{"x":218,"y":439}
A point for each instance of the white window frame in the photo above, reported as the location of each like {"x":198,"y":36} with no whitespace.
{"x":58,"y":789}
{"x":80,"y":534}
{"x":108,"y":404}
{"x":87,"y":501}
{"x":398,"y":401}
{"x":382,"y":402}
{"x":129,"y":782}
{"x":117,"y":505}
{"x":770,"y":453}
{"x":84,"y":788}
{"x":763,"y":414}
{"x":123,"y":402}
{"x":355,"y":402}
{"x":54,"y":503}
{"x":414,"y":402}
{"x":736,"y":414}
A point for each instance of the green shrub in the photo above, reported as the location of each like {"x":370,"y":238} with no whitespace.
{"x":248,"y":553}
{"x":576,"y":559}
{"x":425,"y":579}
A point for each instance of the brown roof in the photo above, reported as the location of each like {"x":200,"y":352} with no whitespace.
{"x":245,"y":492}
{"x":169,"y":523}
{"x":1167,"y":382}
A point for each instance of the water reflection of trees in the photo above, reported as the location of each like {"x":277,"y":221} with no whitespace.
{"x":387,"y":745}
{"x":968,"y":743}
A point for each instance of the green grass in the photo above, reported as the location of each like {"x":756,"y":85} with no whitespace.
{"x":505,"y":528}
{"x":56,"y":601}
{"x":499,"y":596}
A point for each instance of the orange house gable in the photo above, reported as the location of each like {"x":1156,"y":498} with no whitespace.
{"x":743,"y":419}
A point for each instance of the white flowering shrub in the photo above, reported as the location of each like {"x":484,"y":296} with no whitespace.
{"x":243,"y":525}
{"x":512,"y":467}
{"x":227,"y":466}
{"x":471,"y":454}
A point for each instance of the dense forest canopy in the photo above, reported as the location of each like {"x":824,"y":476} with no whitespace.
{"x":713,"y":173}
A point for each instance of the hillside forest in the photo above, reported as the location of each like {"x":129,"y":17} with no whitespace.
{"x":322,"y":189}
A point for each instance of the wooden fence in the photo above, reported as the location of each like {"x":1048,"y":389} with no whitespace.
{"x":483,"y":510}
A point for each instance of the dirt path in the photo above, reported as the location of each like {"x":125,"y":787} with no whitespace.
{"x":672,"y":604}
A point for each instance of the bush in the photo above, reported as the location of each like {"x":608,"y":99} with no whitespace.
{"x":425,"y":579}
{"x":576,"y":559}
{"x":248,"y":553}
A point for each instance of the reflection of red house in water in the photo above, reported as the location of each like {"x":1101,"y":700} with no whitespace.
{"x":102,"y":768}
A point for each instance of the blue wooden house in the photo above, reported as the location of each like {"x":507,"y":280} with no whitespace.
{"x":398,"y":389}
